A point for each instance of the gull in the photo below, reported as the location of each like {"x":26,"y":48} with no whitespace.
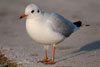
{"x":48,"y":28}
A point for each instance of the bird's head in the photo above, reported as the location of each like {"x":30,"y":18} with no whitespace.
{"x":31,"y":10}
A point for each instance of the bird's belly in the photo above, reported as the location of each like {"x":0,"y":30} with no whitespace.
{"x":43,"y":34}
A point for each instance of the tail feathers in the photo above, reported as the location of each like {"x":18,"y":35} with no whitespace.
{"x":78,"y":23}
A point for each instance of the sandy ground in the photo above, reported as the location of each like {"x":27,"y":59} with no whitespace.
{"x":81,"y":49}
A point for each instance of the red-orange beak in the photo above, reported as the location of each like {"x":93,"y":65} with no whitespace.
{"x":23,"y":16}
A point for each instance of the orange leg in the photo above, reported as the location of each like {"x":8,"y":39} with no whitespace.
{"x":45,"y":58}
{"x":52,"y":61}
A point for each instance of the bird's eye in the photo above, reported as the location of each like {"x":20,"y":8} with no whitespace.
{"x":32,"y":11}
{"x":38,"y":11}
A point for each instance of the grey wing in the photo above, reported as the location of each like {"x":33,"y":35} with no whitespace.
{"x":63,"y":26}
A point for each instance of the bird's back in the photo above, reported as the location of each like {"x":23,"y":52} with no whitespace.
{"x":60,"y":24}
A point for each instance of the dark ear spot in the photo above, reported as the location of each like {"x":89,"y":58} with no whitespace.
{"x":32,"y":11}
{"x":38,"y":10}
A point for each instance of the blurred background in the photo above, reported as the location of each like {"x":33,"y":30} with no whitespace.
{"x":14,"y":37}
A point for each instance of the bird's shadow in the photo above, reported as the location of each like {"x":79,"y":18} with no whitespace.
{"x":84,"y":49}
{"x":90,"y":47}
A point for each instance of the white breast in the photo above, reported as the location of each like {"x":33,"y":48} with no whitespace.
{"x":42,"y":32}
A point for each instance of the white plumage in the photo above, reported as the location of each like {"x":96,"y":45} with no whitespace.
{"x":42,"y":26}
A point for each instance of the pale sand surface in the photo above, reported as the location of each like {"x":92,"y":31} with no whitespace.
{"x":81,"y":49}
